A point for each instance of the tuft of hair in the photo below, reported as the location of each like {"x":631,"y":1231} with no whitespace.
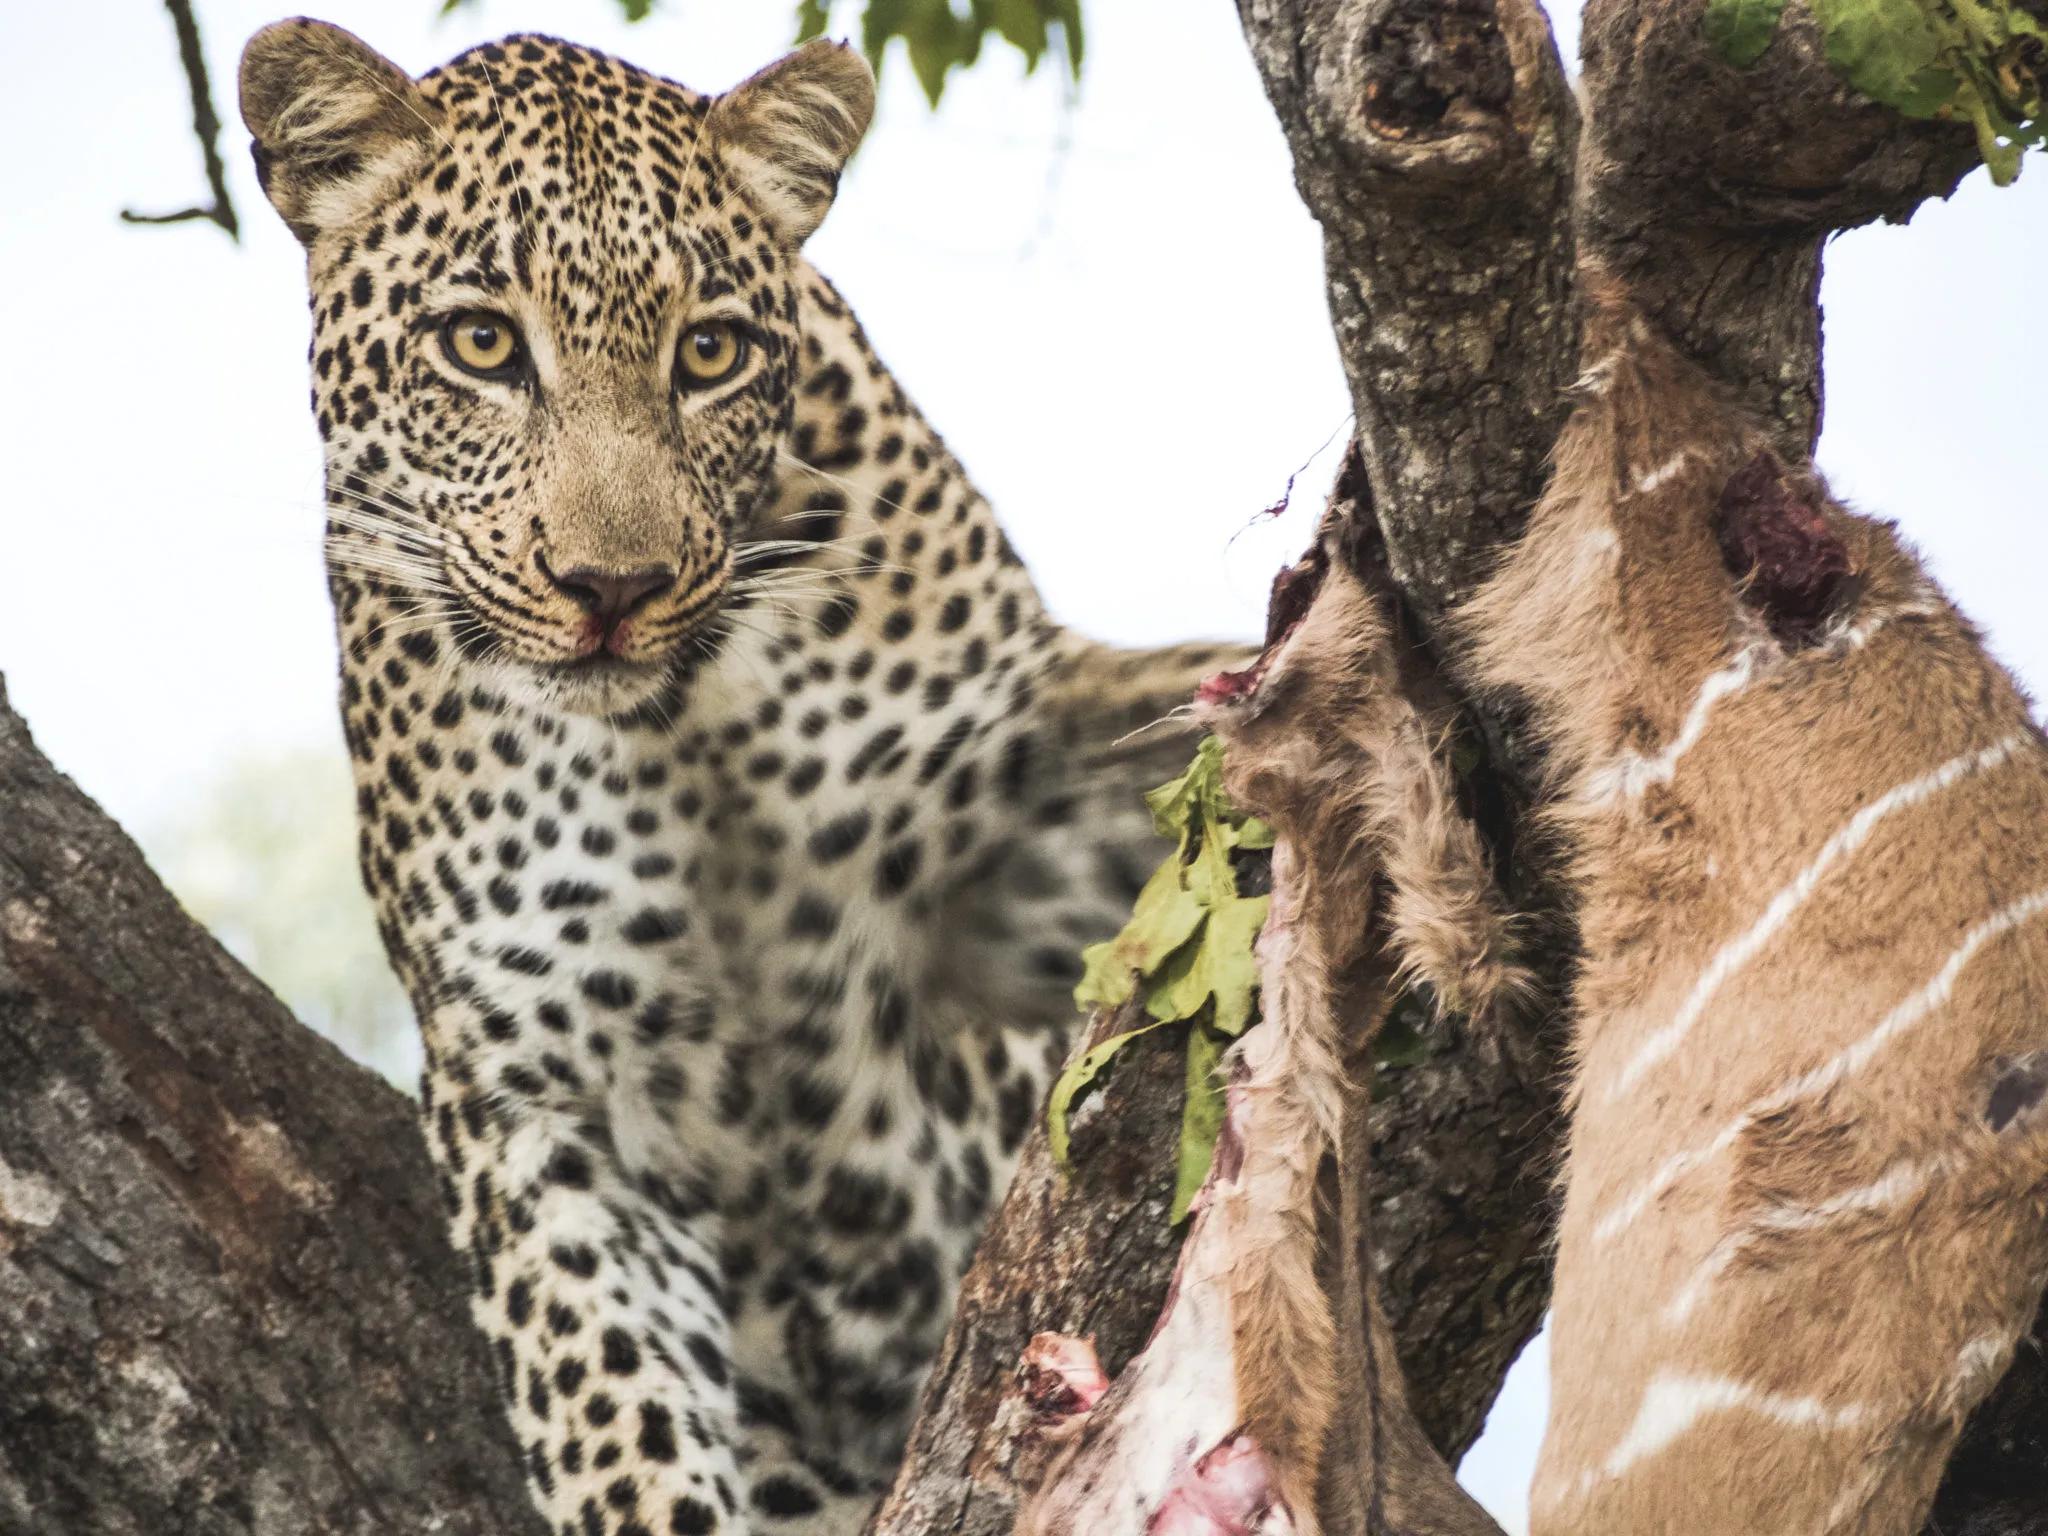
{"x":1645,"y":428}
{"x":1332,"y":746}
{"x":787,"y":132}
{"x":332,"y":122}
{"x":1379,"y":878}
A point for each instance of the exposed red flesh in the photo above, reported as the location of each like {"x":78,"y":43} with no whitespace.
{"x":1776,"y":540}
{"x":1062,"y":1375}
{"x":1229,"y":1492}
{"x":1294,"y":589}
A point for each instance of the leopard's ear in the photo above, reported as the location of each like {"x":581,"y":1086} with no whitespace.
{"x":333,"y":122}
{"x":787,"y":133}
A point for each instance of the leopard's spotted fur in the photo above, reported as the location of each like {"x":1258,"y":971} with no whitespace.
{"x":740,"y":928}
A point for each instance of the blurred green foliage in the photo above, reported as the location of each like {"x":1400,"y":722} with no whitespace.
{"x":938,"y":35}
{"x":941,"y":35}
{"x":265,"y":856}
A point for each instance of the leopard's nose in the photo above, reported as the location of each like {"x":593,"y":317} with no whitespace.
{"x":610,"y":596}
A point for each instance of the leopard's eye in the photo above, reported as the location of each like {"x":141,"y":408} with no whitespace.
{"x":709,"y":353}
{"x":479,"y":342}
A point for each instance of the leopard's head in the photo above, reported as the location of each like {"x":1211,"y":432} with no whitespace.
{"x":555,"y":335}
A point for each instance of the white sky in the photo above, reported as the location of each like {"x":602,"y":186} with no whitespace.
{"x":1113,"y":312}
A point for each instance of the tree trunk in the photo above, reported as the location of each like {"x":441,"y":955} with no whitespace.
{"x":1436,"y":143}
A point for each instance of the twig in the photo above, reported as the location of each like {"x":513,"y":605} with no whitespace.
{"x":205,"y":127}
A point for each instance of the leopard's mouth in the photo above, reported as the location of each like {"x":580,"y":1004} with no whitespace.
{"x":600,"y":684}
{"x":597,"y":671}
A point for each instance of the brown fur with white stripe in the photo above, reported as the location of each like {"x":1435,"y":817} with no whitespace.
{"x":1223,"y":1426}
{"x":1806,"y":1213}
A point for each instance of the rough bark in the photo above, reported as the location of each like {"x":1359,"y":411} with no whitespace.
{"x":228,"y":1302}
{"x":1713,"y":216}
{"x":1436,"y":143}
{"x":1087,"y":1253}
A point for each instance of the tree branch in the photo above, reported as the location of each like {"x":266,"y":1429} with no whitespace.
{"x":1087,"y":1253}
{"x":230,"y":1304}
{"x":1435,"y":144}
{"x":205,"y":128}
{"x":1713,"y":216}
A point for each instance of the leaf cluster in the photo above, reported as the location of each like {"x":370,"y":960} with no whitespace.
{"x":941,"y":35}
{"x":936,"y":35}
{"x":1186,"y":955}
{"x":1985,"y":61}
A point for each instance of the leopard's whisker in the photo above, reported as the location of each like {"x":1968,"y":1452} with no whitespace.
{"x":377,"y":527}
{"x":839,"y":480}
{"x":357,"y":493}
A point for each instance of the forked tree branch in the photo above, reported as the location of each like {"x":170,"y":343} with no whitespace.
{"x":1436,"y":143}
{"x":205,"y":128}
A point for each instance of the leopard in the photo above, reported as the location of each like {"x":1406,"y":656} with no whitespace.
{"x":733,"y":809}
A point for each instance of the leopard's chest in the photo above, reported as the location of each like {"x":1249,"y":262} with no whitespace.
{"x":704,"y":934}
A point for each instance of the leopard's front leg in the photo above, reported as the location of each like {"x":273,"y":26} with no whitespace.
{"x":601,"y":1292}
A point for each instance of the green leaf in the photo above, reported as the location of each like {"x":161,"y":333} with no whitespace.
{"x":1890,"y":51}
{"x":1218,"y":966}
{"x":1210,"y":876}
{"x":1167,"y":951}
{"x":636,"y":10}
{"x":812,"y":18}
{"x":1173,"y":804}
{"x":881,"y":21}
{"x":1233,"y":968}
{"x":1740,"y":30}
{"x":1979,"y":61}
{"x":1164,"y":917}
{"x":1201,"y":1116}
{"x":1179,"y":987}
{"x":937,"y":40}
{"x":1022,"y":25}
{"x":1187,"y":951}
{"x":1067,"y":15}
{"x":2000,"y":157}
{"x":1078,"y":1075}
